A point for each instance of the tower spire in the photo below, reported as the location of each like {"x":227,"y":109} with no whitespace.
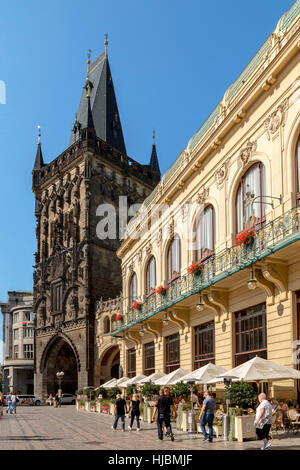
{"x":39,"y":162}
{"x":106,"y":43}
{"x":88,"y":83}
{"x":154,"y":165}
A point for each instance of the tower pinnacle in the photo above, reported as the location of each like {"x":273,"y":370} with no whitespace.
{"x":106,"y":43}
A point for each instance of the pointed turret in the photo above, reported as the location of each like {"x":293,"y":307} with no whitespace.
{"x":87,"y":121}
{"x":154,"y":165}
{"x":103,"y":105}
{"x":39,"y":162}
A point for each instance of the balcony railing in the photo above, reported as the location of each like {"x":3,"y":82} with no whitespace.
{"x":275,"y":235}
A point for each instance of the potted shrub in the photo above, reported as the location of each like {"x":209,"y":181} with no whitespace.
{"x":92,"y":406}
{"x":243,"y":396}
{"x":245,"y":237}
{"x":195,"y":268}
{"x":161,"y":290}
{"x":113,"y":392}
{"x":137,"y":305}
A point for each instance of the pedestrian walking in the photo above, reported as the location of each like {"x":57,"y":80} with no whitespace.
{"x":9,"y":407}
{"x":56,"y":400}
{"x":14,"y":400}
{"x":119,"y":412}
{"x":207,"y":416}
{"x":263,"y":420}
{"x":135,"y":411}
{"x":163,"y":408}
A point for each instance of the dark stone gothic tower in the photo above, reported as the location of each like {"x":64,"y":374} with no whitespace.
{"x":73,"y":267}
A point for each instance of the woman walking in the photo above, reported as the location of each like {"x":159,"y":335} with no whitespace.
{"x":263,"y":420}
{"x":135,"y":411}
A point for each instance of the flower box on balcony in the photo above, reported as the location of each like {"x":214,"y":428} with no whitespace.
{"x":245,"y":237}
{"x":161,"y":290}
{"x":119,"y":317}
{"x":137,"y":305}
{"x":195,"y":268}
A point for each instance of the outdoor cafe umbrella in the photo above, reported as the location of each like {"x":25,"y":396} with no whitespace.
{"x":204,"y":374}
{"x":152,"y":378}
{"x":133,"y":381}
{"x":172,"y":378}
{"x":113,"y":383}
{"x":258,"y":370}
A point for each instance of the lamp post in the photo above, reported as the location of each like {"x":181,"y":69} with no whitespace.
{"x":9,"y":386}
{"x":60,"y":376}
{"x":191,"y":417}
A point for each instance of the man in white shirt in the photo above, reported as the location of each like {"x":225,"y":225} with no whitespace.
{"x":263,"y":420}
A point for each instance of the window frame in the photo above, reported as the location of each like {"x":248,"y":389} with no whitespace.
{"x":207,"y":328}
{"x":170,"y":349}
{"x":172,"y":274}
{"x":150,"y":290}
{"x":297,"y":157}
{"x":259,"y":222}
{"x":131,"y":358}
{"x":200,"y":254}
{"x":246,"y":315}
{"x":131,"y":296}
{"x":149,"y":370}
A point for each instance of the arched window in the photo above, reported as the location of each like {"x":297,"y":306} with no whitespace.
{"x":133,"y":289}
{"x":174,"y":258}
{"x":151,"y":276}
{"x":206,"y":234}
{"x":253,"y":184}
{"x":106,"y":325}
{"x":298,"y":172}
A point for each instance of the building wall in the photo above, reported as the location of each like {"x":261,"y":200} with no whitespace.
{"x":260,"y":123}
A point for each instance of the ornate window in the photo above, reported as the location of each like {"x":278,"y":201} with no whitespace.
{"x":298,"y":172}
{"x":28,"y":351}
{"x":106,"y":325}
{"x":174,"y":258}
{"x":151,"y":276}
{"x":250,"y":334}
{"x":172,"y":353}
{"x":253,"y":184}
{"x":133,"y":289}
{"x":56,"y":297}
{"x":149,"y":350}
{"x":131,"y":363}
{"x":204,"y":337}
{"x":205,"y":234}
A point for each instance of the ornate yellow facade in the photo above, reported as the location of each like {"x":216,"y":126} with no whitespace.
{"x":239,"y":171}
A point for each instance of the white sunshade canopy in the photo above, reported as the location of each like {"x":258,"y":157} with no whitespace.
{"x":113,"y":383}
{"x":152,"y":378}
{"x":133,"y":381}
{"x":259,"y":370}
{"x":172,"y":378}
{"x":204,"y":374}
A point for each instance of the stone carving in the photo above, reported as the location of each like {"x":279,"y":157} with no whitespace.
{"x":276,"y":118}
{"x":202,"y":195}
{"x":149,"y":249}
{"x":246,"y":153}
{"x":222,"y":173}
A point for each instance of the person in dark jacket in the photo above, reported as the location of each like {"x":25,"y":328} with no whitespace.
{"x":120,"y":411}
{"x":163,"y":409}
{"x":135,"y":411}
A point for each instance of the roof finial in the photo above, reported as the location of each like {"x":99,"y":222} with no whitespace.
{"x":153,"y":137}
{"x":88,"y":86}
{"x":39,"y":135}
{"x":106,"y":43}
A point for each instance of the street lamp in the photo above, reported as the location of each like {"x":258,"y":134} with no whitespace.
{"x":9,"y":386}
{"x":60,"y":376}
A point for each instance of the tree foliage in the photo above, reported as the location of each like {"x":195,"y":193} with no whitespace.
{"x":241,"y":394}
{"x":150,"y":389}
{"x":113,"y":392}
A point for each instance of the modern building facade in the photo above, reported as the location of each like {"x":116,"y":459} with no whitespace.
{"x":76,"y":267}
{"x":18,"y":339}
{"x":217,"y":276}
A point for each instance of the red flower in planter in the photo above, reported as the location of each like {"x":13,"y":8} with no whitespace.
{"x":195,"y":268}
{"x":245,"y":237}
{"x":119,"y":317}
{"x":137,"y":305}
{"x":161,"y":290}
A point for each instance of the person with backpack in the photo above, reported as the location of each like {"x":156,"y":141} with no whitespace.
{"x":14,"y":400}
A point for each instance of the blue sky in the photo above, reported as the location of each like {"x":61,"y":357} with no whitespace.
{"x":171,"y":63}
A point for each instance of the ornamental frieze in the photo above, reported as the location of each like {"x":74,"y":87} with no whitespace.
{"x":202,"y":195}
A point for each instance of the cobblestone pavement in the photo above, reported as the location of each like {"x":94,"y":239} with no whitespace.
{"x":47,"y":428}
